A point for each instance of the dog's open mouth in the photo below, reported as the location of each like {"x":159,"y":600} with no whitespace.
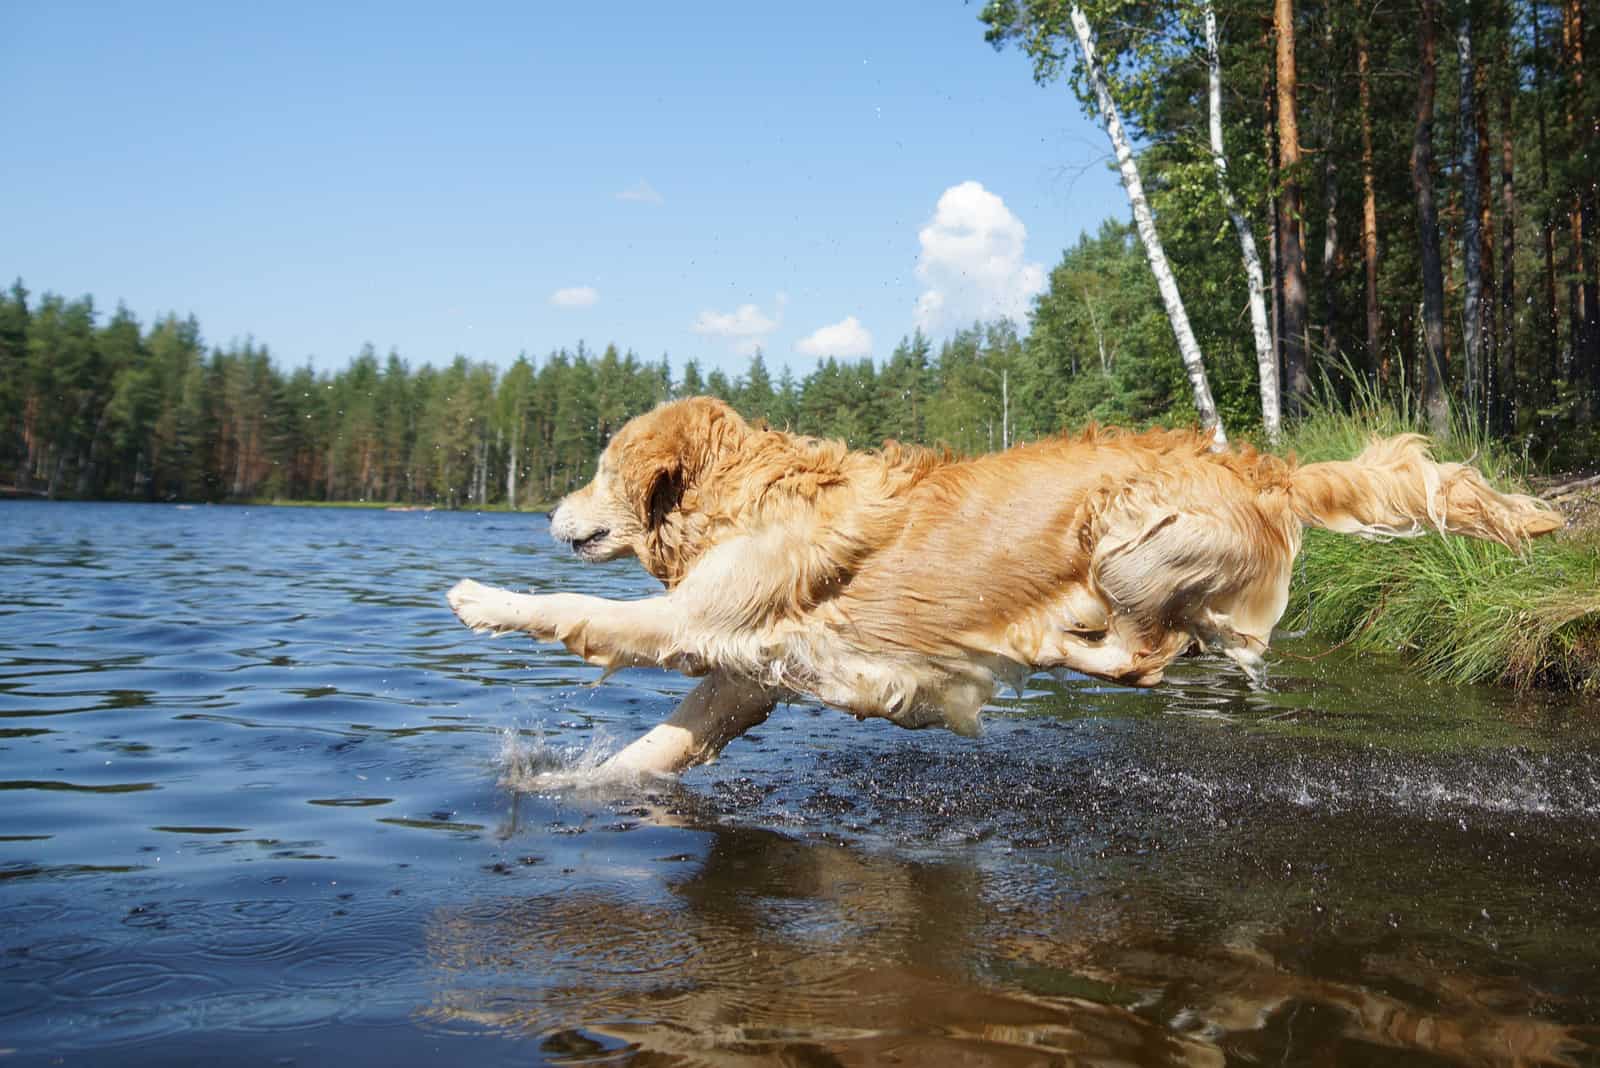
{"x":586,"y":545}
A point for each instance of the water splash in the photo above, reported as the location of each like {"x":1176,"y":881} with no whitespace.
{"x":530,"y":763}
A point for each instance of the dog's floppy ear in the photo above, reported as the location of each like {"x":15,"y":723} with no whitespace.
{"x":666,"y":492}
{"x":669,"y":450}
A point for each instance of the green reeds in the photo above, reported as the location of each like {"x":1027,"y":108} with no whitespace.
{"x":1462,"y":610}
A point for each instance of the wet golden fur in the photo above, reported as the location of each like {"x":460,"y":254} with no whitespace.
{"x":908,"y":584}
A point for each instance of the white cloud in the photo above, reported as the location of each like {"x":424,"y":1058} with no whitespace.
{"x":575,"y":297}
{"x":845,"y":338}
{"x":642,"y":192}
{"x":744,"y":328}
{"x":972,"y":264}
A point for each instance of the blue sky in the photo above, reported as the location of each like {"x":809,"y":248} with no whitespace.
{"x":693,"y":179}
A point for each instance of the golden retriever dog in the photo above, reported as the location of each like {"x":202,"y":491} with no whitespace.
{"x":908,"y":584}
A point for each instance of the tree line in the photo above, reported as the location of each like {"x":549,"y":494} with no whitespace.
{"x":97,"y":407}
{"x":114,"y":410}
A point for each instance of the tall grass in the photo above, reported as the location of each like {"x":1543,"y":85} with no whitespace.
{"x":1463,"y":610}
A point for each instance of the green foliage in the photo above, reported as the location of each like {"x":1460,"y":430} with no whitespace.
{"x":1529,"y":96}
{"x":1101,"y":347}
{"x":1465,"y":610}
{"x":112,"y":410}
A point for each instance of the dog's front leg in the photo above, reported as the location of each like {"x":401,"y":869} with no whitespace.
{"x":618,"y":634}
{"x":610,"y":634}
{"x":714,"y":713}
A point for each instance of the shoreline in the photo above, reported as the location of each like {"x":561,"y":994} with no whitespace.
{"x":272,"y":502}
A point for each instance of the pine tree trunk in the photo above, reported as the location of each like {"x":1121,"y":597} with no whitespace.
{"x":1377,"y":358}
{"x":1551,"y":364}
{"x":1274,"y":211}
{"x":1589,"y":335}
{"x":86,"y":473}
{"x":1266,"y":360}
{"x":1144,"y":220}
{"x":1578,"y":350}
{"x":1330,"y":194}
{"x":240,"y":459}
{"x":31,"y":443}
{"x":1291,"y":249}
{"x":1490,"y":307}
{"x":1435,"y":405}
{"x":1505,"y":415}
{"x":57,"y":471}
{"x":1582,"y":133}
{"x":1471,"y":234}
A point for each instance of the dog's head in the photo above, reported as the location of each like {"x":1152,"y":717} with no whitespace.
{"x":643,"y":474}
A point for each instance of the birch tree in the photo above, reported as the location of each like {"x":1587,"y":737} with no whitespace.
{"x":1144,"y":220}
{"x":1040,"y":27}
{"x":1266,"y":359}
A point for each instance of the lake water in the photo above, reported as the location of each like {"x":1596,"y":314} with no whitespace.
{"x":266,"y":802}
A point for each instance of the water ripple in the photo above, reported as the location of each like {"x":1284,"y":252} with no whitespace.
{"x":264,"y":795}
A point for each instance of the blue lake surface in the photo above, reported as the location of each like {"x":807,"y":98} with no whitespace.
{"x":266,"y":802}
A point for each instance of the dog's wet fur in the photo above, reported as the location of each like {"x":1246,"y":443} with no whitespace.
{"x":908,"y":584}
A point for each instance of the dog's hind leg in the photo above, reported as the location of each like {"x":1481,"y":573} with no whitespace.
{"x":714,"y":713}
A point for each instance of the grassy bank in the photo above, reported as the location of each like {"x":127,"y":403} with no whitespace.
{"x":1462,"y":610}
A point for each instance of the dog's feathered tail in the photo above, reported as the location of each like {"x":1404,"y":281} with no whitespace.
{"x":1394,"y":489}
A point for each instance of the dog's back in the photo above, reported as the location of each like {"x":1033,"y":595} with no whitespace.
{"x":1112,"y":553}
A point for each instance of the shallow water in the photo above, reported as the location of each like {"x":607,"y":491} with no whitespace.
{"x":265,"y":801}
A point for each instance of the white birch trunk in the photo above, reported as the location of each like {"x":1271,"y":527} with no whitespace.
{"x":1188,"y":347}
{"x":1099,"y":338}
{"x":511,"y":467}
{"x":1266,"y":359}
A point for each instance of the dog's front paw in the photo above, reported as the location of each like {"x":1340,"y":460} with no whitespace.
{"x":480,"y":607}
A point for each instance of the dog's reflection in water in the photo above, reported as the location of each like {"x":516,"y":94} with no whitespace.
{"x":775,"y":950}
